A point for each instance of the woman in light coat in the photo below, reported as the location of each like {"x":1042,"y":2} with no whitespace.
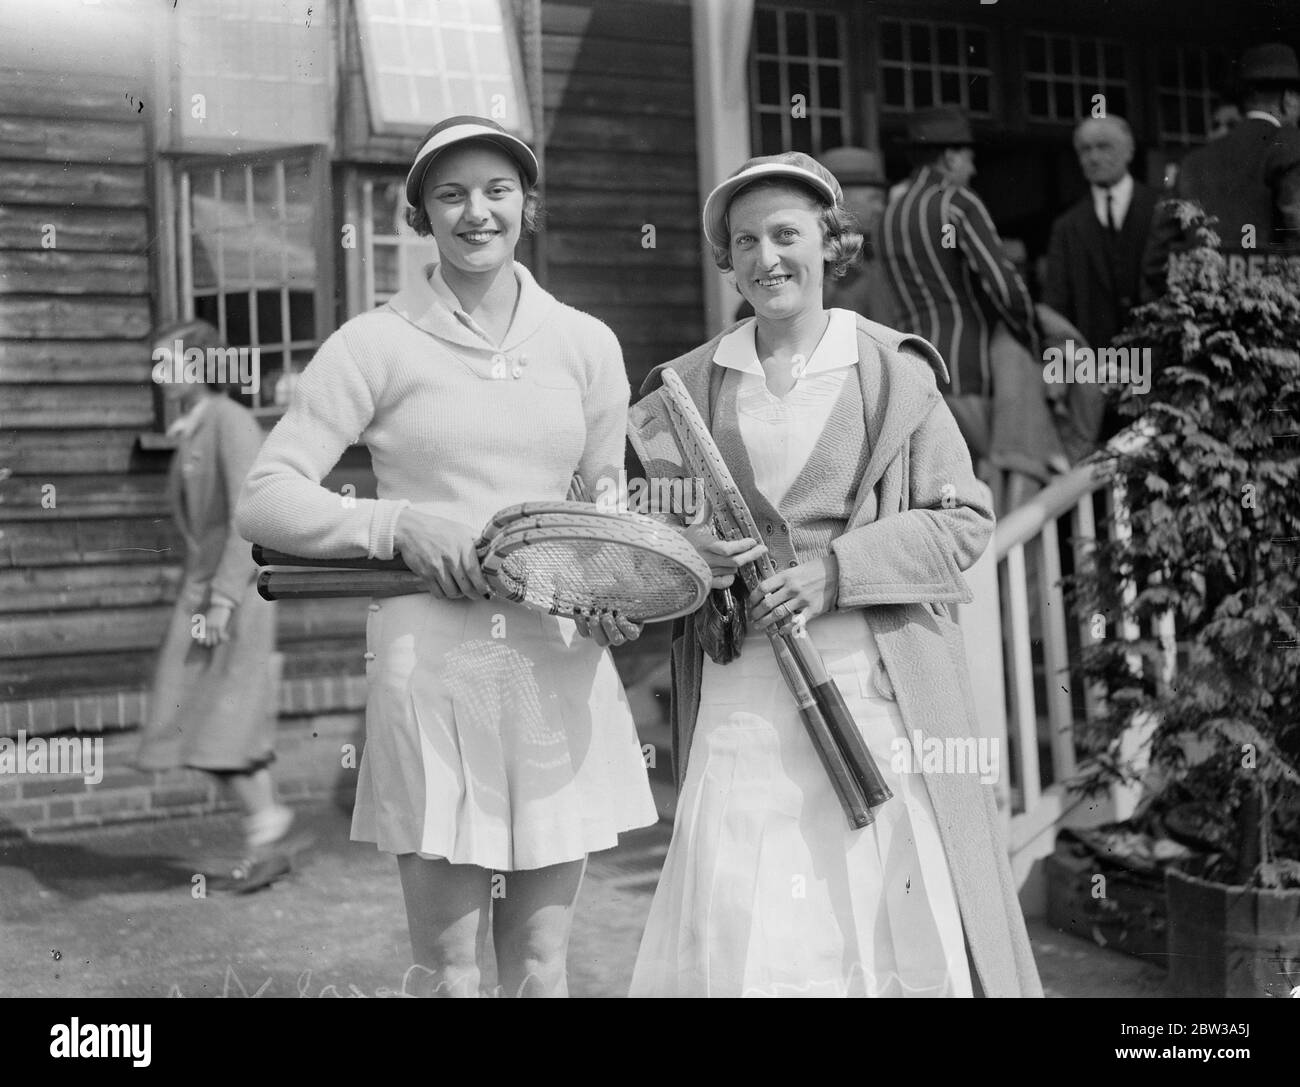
{"x":856,"y":473}
{"x":214,"y":698}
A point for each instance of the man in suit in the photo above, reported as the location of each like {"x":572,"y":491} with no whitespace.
{"x":958,"y":288}
{"x":1094,"y":257}
{"x":1250,"y":178}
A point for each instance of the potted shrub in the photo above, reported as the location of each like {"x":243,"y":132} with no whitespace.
{"x":1213,"y":516}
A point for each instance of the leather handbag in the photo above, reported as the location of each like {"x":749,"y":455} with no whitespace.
{"x":720,"y":624}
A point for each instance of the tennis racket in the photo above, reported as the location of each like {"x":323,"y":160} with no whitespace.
{"x":826,"y":717}
{"x":561,"y":558}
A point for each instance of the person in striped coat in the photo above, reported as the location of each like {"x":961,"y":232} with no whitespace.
{"x":953,"y":278}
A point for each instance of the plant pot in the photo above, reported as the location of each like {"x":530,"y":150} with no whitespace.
{"x":1231,"y":941}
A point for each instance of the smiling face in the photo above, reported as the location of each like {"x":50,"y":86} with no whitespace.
{"x":778,"y":249}
{"x":474,"y":198}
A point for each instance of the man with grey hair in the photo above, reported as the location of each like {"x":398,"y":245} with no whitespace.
{"x":1094,"y":257}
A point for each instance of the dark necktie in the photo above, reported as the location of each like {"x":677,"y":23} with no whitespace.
{"x":1110,"y":212}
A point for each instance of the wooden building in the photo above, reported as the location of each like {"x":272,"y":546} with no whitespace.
{"x":242,"y":161}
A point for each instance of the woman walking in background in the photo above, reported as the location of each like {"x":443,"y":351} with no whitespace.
{"x":836,"y":434}
{"x":500,"y":749}
{"x":214,"y":696}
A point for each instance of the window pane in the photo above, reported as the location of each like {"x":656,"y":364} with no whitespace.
{"x":949,"y":89}
{"x":300,"y":253}
{"x":238,"y":330}
{"x":1193,"y":70}
{"x":302,"y":315}
{"x":1168,"y":67}
{"x":234,"y":196}
{"x":891,"y":40}
{"x":268,"y":250}
{"x":828,"y":36}
{"x":832,"y":133}
{"x":948,"y":53}
{"x":1170,"y":114}
{"x":1196,"y":118}
{"x":1117,"y":99}
{"x":770,"y":133}
{"x":1035,"y":53}
{"x":798,"y":74}
{"x":1113,"y":54}
{"x":801,"y":136}
{"x":1063,"y":96}
{"x":894,"y":93}
{"x":769,"y":82}
{"x":205,"y":309}
{"x":979,"y":94}
{"x":796,"y":33}
{"x":922,"y":91}
{"x":388,"y":272}
{"x":1061,"y":63}
{"x":1089,"y":55}
{"x":765,"y":22}
{"x":1037,"y":98}
{"x":920,"y":41}
{"x":828,"y":86}
{"x":269,"y":323}
{"x":977,"y":48}
{"x":204,"y":264}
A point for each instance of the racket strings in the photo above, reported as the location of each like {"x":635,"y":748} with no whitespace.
{"x":592,"y":577}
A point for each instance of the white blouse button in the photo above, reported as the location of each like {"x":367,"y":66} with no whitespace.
{"x":369,"y":656}
{"x":374,"y":607}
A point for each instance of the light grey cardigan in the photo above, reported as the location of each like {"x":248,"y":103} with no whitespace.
{"x":917,"y":521}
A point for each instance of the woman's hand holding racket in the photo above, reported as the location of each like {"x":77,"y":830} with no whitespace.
{"x":725,"y":557}
{"x":442,"y":552}
{"x":608,"y":630}
{"x":809,"y":590}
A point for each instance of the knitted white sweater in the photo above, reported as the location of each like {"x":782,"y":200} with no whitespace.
{"x":454,"y":426}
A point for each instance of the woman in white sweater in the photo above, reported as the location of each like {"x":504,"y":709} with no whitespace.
{"x":500,"y":750}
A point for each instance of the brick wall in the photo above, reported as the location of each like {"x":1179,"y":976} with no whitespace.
{"x":318,"y":716}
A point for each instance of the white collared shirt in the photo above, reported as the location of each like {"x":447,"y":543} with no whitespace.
{"x":1262,"y":115}
{"x":444,"y":293}
{"x":781,"y":433}
{"x":1122,"y":191}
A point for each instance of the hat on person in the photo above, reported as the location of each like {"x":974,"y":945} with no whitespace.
{"x":459,"y":129}
{"x":1272,"y":63}
{"x":789,"y":166}
{"x":943,"y":126}
{"x":855,"y":166}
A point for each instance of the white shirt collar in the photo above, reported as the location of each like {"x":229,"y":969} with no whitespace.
{"x":183,"y":426}
{"x":443,"y":292}
{"x":1122,"y":191}
{"x":1263,"y":115}
{"x":838,"y":347}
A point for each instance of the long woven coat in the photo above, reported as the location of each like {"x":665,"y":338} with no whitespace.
{"x":214,"y":708}
{"x":918,"y":521}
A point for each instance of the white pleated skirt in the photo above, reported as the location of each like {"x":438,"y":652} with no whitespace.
{"x":766,"y":891}
{"x":495,"y":736}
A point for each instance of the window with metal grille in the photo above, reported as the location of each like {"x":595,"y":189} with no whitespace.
{"x":925,"y":64}
{"x":800,"y":81}
{"x":429,"y":59}
{"x":248,"y":259}
{"x":1189,"y":81}
{"x":1064,"y":72}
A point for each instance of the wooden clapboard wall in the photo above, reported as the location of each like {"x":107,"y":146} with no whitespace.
{"x":620,"y":157}
{"x":82,"y":590}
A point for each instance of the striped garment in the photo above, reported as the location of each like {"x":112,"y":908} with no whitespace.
{"x":953,"y":278}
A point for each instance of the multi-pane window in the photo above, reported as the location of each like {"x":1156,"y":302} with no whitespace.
{"x":800,"y":81}
{"x":258,"y":69}
{"x":1189,"y":82}
{"x":1064,"y":73}
{"x":393,"y":256}
{"x":427,"y":59}
{"x":925,"y":64}
{"x":248,"y":261}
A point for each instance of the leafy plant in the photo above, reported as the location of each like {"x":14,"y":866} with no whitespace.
{"x":1212,"y":508}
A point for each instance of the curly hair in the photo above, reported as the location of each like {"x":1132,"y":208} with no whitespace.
{"x":418,"y":218}
{"x":840,"y":229}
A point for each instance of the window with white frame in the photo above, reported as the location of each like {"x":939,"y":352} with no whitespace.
{"x":799,"y":53}
{"x":392,"y":255}
{"x":924,"y":63}
{"x":1063,"y":73}
{"x":1189,"y":82}
{"x":428,"y":59}
{"x":248,"y":259}
{"x":256,"y":69}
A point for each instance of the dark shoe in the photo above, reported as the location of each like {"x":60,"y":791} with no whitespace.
{"x":253,"y":875}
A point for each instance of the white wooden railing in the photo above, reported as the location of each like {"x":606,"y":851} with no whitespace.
{"x":1017,"y":587}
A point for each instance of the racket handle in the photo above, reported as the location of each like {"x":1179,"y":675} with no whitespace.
{"x":843,"y":779}
{"x":843,"y":727}
{"x":266,"y":556}
{"x":324,"y":584}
